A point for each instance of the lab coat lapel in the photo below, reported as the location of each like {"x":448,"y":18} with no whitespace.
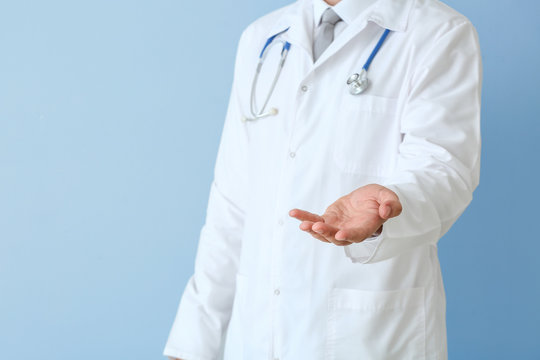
{"x":390,"y":14}
{"x":299,"y":20}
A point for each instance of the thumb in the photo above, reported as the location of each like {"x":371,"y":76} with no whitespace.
{"x":390,"y":206}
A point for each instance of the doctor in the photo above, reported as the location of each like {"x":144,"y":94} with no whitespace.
{"x":329,"y":196}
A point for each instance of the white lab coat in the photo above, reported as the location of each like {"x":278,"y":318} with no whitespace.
{"x":281,"y":293}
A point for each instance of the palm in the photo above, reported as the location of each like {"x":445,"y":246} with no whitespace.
{"x":352,"y":211}
{"x":353,"y":217}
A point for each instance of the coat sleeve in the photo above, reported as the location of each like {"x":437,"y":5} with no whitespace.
{"x":205,"y":307}
{"x":438,"y":164}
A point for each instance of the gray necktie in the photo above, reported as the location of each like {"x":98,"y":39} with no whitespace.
{"x":324,"y":34}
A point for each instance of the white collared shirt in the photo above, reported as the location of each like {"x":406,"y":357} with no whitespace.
{"x":347,"y":10}
{"x":264,"y":289}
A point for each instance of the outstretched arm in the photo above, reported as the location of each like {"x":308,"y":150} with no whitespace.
{"x":438,"y":164}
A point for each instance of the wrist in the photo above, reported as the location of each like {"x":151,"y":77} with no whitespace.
{"x":377,"y":232}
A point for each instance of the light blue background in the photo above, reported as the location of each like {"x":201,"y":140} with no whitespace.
{"x":110,"y":117}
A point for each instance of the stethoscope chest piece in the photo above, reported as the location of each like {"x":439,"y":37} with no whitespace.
{"x":358,"y":82}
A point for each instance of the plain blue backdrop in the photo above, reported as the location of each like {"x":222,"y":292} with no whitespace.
{"x":110,"y":118}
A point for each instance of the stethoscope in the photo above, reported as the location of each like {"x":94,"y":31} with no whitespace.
{"x":358,"y":82}
{"x":284,"y":51}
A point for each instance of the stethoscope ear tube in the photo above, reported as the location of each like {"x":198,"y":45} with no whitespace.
{"x":255,"y":113}
{"x":273,"y":111}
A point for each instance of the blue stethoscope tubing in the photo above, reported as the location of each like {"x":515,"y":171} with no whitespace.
{"x":357,"y":82}
{"x":286,"y":45}
{"x":376,"y":49}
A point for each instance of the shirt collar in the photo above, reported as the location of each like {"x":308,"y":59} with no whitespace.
{"x":299,"y":17}
{"x":347,"y":10}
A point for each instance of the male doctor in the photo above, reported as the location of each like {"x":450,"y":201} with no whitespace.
{"x":320,"y":240}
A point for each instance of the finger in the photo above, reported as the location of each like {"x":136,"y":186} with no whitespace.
{"x":305,"y":215}
{"x":354,"y":235}
{"x":307,"y":226}
{"x":340,"y":242}
{"x":390,"y":209}
{"x":385,"y":210}
{"x":334,"y":241}
{"x":329,"y":231}
{"x":329,"y":239}
{"x":390,"y":206}
{"x":318,"y":237}
{"x":324,"y":229}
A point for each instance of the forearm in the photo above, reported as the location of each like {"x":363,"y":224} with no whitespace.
{"x":438,"y":165}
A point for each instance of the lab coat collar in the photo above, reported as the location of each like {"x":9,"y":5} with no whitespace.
{"x":389,"y":14}
{"x":348,"y":10}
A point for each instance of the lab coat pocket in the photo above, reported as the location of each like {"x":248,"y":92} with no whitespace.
{"x":234,"y":343}
{"x":376,"y":325}
{"x":366,"y":137}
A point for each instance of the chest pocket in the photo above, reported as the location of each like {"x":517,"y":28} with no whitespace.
{"x":366,"y":135}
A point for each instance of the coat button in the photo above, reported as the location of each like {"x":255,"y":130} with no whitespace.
{"x":292,"y":154}
{"x":276,"y":292}
{"x":304,"y":88}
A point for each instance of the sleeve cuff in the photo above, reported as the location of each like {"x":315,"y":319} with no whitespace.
{"x":363,"y":251}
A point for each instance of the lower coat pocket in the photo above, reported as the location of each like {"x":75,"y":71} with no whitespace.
{"x":375,"y":325}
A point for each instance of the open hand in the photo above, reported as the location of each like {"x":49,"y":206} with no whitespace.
{"x":353,"y":217}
